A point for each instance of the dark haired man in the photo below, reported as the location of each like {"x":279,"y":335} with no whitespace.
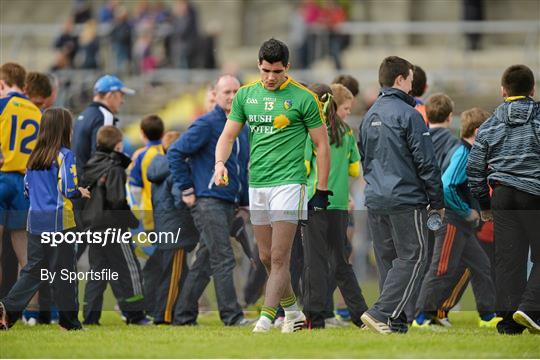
{"x":280,"y":113}
{"x":505,"y":157}
{"x":402,"y":178}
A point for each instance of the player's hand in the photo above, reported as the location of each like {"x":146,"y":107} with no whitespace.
{"x":473,"y":218}
{"x":486,"y":215}
{"x":85,"y":193}
{"x":319,"y":201}
{"x":188,"y":197}
{"x":221,"y":177}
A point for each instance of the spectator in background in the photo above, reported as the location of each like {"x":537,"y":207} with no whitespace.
{"x":107,"y":11}
{"x":473,"y":10}
{"x":143,"y":51}
{"x":82,"y":11}
{"x":67,"y":44}
{"x":184,"y":34}
{"x":419,"y":88}
{"x":311,"y":13}
{"x":122,"y":41}
{"x":334,"y":16}
{"x":89,"y":45}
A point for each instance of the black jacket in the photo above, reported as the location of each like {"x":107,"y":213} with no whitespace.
{"x":397,"y":154}
{"x":105,"y":175}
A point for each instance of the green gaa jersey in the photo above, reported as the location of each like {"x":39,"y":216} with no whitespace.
{"x":344,"y":162}
{"x":278,"y":122}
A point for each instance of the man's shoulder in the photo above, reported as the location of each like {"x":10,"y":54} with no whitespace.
{"x":300,"y":91}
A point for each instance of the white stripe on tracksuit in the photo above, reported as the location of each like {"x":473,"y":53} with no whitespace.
{"x":416,"y":270}
{"x":133,"y":271}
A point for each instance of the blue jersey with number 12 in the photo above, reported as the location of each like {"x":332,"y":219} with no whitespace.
{"x":19,"y":127}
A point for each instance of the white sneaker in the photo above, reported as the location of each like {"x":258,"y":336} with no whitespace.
{"x":334,"y":322}
{"x":375,"y":325}
{"x":293,"y":323}
{"x":278,"y":323}
{"x":262,"y":326}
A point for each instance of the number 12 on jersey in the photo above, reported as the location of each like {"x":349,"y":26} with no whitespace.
{"x":27,"y":139}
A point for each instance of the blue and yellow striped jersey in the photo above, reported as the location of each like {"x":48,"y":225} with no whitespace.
{"x":50,"y":193}
{"x":19,"y":127}
{"x":138,"y":177}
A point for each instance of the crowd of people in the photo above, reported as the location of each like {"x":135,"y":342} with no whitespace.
{"x":276,"y":155}
{"x":151,"y":35}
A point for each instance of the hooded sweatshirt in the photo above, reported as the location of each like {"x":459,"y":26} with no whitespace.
{"x":507,"y":150}
{"x":105,"y":174}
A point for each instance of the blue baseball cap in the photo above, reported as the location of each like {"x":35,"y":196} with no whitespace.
{"x":108,"y":83}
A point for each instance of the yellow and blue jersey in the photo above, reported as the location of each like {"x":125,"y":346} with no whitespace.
{"x":50,"y":192}
{"x":138,"y":177}
{"x":19,"y":127}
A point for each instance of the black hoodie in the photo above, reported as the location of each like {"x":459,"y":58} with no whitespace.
{"x":105,"y":174}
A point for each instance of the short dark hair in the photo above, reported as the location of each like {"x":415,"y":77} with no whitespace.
{"x":273,"y":51}
{"x":438,"y":108}
{"x":391,"y":67}
{"x":38,"y":84}
{"x":419,"y":81}
{"x":108,"y":137}
{"x":152,"y":127}
{"x":518,"y":80}
{"x":349,"y":82}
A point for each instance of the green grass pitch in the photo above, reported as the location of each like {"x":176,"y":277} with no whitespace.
{"x":211,"y":340}
{"x":114,"y":339}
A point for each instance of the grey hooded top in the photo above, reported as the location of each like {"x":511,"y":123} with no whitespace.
{"x":507,"y":150}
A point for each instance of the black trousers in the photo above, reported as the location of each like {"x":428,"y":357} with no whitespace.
{"x":151,"y":274}
{"x":324,"y":244}
{"x":127,"y":289}
{"x":455,"y":247}
{"x":173,"y":271}
{"x":65,"y":293}
{"x":516,"y":215}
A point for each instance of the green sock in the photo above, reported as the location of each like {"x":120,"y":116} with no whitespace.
{"x":268,"y":312}
{"x":289,"y":303}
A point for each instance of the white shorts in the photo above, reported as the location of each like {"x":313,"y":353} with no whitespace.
{"x":278,"y":203}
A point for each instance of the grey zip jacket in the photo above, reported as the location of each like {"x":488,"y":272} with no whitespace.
{"x":398,"y":159}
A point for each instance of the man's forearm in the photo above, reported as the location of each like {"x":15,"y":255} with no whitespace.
{"x":223,"y":149}
{"x":323,"y":166}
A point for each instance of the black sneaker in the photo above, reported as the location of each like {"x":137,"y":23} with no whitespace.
{"x":527,"y":320}
{"x":507,"y":326}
